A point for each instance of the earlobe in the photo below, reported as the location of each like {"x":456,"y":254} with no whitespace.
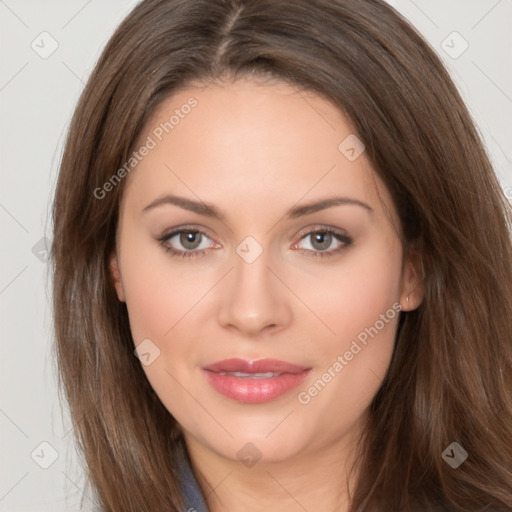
{"x":116,"y":276}
{"x":411,"y":294}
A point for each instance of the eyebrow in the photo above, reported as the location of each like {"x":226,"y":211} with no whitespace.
{"x":209,"y":210}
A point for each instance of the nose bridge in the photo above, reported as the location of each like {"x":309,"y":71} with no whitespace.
{"x":255,"y":299}
{"x":252,"y":279}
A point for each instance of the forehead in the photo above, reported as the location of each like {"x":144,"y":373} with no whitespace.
{"x":249,"y":145}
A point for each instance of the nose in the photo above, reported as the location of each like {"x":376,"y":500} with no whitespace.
{"x":254,"y":301}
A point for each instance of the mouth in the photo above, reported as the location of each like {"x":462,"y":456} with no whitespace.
{"x":254,"y":382}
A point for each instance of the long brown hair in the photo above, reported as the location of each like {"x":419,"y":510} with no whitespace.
{"x":450,"y":378}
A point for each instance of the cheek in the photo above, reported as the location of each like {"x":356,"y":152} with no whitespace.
{"x":160,"y":299}
{"x":362,"y":309}
{"x":351,"y":296}
{"x":159,"y":292}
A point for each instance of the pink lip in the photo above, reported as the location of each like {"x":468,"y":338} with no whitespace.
{"x":254,"y":390}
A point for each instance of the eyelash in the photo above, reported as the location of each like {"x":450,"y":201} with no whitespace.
{"x":176,"y":253}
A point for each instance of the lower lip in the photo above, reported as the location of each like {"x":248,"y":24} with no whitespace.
{"x":255,"y":391}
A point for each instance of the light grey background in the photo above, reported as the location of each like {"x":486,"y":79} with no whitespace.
{"x":37,"y":94}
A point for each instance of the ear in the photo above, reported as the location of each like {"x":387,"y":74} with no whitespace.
{"x":116,"y":276}
{"x":411,"y":292}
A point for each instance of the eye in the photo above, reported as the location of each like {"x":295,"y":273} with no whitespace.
{"x":190,"y":243}
{"x":185,"y":243}
{"x":324,"y":242}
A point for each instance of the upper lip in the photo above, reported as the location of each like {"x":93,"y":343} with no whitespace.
{"x":255,"y":366}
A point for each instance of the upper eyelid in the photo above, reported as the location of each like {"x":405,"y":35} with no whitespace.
{"x":303,"y":231}
{"x":322,"y":227}
{"x":174,"y":231}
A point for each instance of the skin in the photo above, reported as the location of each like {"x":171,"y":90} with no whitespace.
{"x":255,"y":150}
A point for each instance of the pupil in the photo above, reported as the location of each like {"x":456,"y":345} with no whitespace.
{"x":322,"y":240}
{"x":189,"y":239}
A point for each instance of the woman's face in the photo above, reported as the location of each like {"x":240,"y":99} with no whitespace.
{"x":261,"y":269}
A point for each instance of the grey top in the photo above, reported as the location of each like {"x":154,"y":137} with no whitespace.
{"x":191,"y":492}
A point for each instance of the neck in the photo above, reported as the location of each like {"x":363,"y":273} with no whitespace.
{"x":316,"y":480}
